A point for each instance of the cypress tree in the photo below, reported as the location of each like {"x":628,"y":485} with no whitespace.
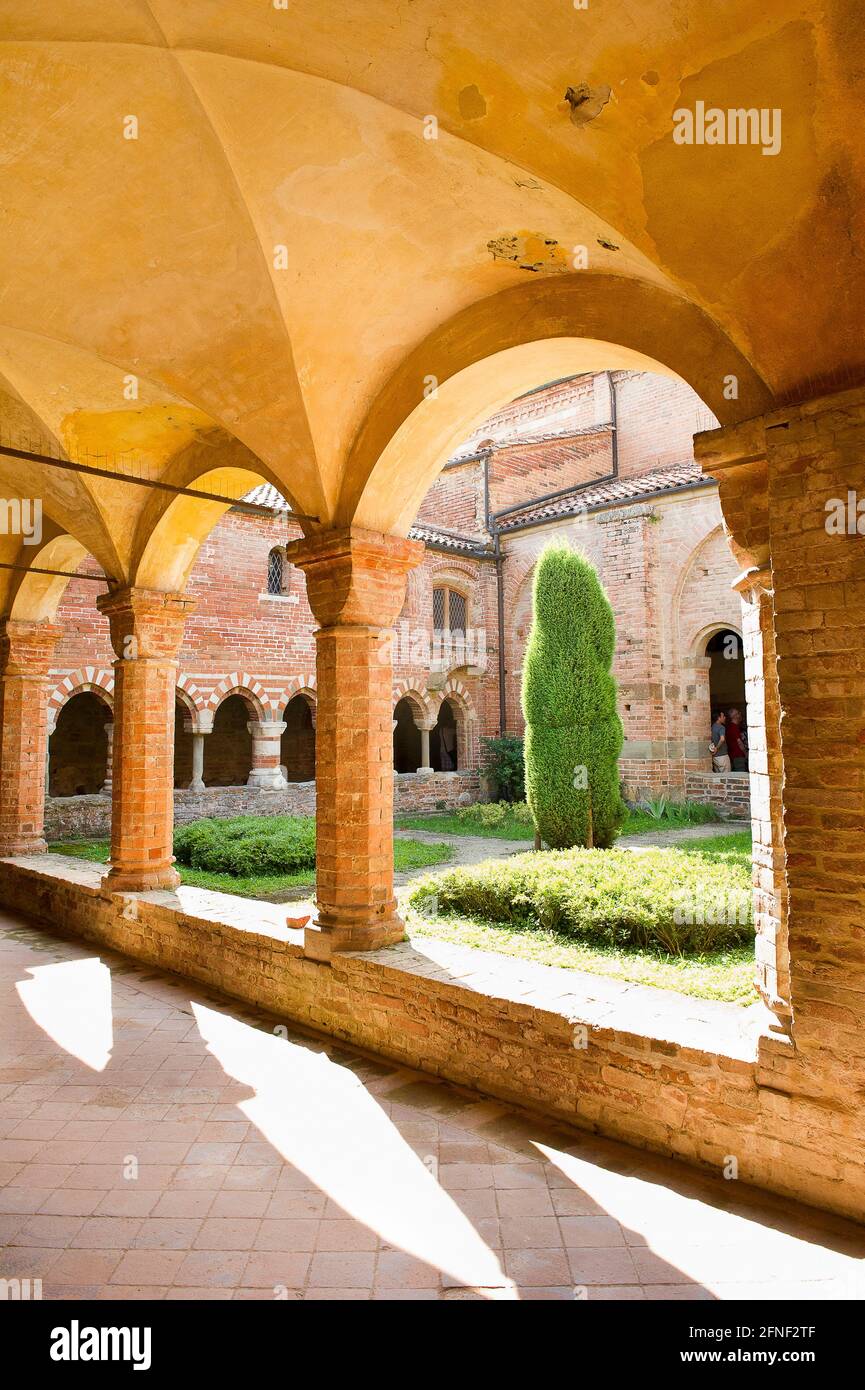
{"x":573,"y":731}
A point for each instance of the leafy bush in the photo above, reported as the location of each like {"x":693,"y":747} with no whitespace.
{"x":573,"y":731}
{"x":245,"y":846}
{"x":502,"y":759}
{"x":664,"y":899}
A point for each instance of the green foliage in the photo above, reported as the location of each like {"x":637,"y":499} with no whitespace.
{"x":502,"y":759}
{"x":573,"y":731}
{"x":656,"y":807}
{"x":248,"y":846}
{"x":665,"y":899}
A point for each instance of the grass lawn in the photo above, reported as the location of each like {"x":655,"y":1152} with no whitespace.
{"x":637,"y":823}
{"x":408,"y":855}
{"x":724,"y":975}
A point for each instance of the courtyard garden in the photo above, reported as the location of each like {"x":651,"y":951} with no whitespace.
{"x":512,"y":820}
{"x":254,"y":856}
{"x":676,"y":918}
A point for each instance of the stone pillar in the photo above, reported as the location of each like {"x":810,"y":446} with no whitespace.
{"x":25,"y":653}
{"x":425,"y":729}
{"x":146,"y":633}
{"x":356,"y":584}
{"x":197,"y":783}
{"x":107,"y":785}
{"x":266,"y":773}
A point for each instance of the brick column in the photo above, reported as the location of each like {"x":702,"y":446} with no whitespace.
{"x":266,"y":754}
{"x":766,"y":772}
{"x":786,"y":485}
{"x":25,"y":654}
{"x":146,"y":632}
{"x":356,"y":584}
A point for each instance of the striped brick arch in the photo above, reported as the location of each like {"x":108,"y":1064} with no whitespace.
{"x":239,"y":683}
{"x":195,"y":698}
{"x":96,"y":679}
{"x":416,"y":693}
{"x":300,"y":685}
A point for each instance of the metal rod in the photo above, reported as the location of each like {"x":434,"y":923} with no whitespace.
{"x":64,"y":574}
{"x":70,"y":465}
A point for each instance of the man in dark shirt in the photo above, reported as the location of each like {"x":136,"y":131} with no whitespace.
{"x":718,"y":746}
{"x":736,"y":742}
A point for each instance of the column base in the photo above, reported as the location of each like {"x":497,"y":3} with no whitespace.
{"x":140,"y":880}
{"x":265,"y":780}
{"x":24,"y":844}
{"x":196,"y":786}
{"x":322,"y":941}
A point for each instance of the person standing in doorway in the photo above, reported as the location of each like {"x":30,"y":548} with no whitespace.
{"x":718,"y":746}
{"x":737,"y":743}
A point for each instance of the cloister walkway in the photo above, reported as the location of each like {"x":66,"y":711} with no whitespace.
{"x":157,"y":1141}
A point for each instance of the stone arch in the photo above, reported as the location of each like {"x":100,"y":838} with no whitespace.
{"x":80,"y":743}
{"x":457,"y":697}
{"x":228,"y":748}
{"x":423,"y":708}
{"x":193,"y":699}
{"x":95,"y":679}
{"x":297,"y":740}
{"x":489,"y":352}
{"x":249,"y":690}
{"x":300,"y":685}
{"x":407,"y":755}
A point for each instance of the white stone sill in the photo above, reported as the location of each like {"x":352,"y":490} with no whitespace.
{"x":638,"y":1014}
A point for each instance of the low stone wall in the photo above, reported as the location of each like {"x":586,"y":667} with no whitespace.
{"x":87,"y":817}
{"x":730,"y":792}
{"x":679,"y":1076}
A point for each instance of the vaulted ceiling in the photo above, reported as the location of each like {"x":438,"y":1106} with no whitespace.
{"x":343,"y":232}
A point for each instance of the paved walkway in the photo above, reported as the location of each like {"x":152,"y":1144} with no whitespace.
{"x":156,"y":1142}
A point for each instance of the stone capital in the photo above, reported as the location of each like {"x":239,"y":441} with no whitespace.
{"x":146,"y":624}
{"x":736,"y":457}
{"x":355,"y":578}
{"x":26,"y":648}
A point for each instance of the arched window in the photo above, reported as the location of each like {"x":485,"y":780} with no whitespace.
{"x":274,"y":571}
{"x":449,"y":610}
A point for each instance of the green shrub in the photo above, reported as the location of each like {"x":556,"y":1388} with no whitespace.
{"x":573,"y":731}
{"x":247,"y":846}
{"x":664,"y":899}
{"x":522,"y":812}
{"x":502,"y":759}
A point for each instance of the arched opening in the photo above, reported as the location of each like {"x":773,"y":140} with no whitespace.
{"x":443,"y":740}
{"x":406,"y":738}
{"x":228,"y":749}
{"x":727,"y":682}
{"x":78,"y":747}
{"x":297,"y":745}
{"x":182,"y":745}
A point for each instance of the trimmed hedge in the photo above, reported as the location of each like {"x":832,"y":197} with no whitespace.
{"x":573,"y":731}
{"x":665,"y":898}
{"x":247,"y":846}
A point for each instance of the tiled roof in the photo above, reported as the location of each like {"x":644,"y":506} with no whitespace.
{"x":266,"y":495}
{"x":447,"y":540}
{"x":607,"y":493}
{"x":599,"y":494}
